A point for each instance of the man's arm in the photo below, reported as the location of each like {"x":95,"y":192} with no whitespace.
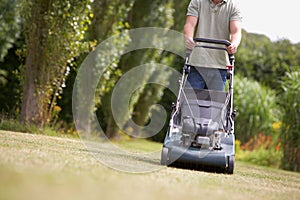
{"x":189,"y":29}
{"x":235,"y":36}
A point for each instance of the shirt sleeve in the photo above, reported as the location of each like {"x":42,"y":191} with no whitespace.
{"x":193,"y":8}
{"x":236,"y":13}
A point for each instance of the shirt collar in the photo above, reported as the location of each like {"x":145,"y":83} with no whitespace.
{"x":223,"y":0}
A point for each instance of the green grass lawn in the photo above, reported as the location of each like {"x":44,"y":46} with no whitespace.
{"x":43,"y":167}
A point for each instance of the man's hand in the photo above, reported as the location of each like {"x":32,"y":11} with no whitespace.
{"x":232,"y":49}
{"x":189,"y":43}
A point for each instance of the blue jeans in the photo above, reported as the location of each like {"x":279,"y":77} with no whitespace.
{"x":207,"y":78}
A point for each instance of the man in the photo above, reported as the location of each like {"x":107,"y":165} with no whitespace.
{"x":215,"y":19}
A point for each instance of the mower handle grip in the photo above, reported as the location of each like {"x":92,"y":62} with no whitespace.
{"x":213,"y":41}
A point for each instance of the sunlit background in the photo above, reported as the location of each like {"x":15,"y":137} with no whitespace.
{"x":276,"y":19}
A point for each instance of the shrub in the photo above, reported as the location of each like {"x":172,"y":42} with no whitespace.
{"x":262,"y":150}
{"x":290,"y":132}
{"x":256,"y":106}
{"x":263,"y":157}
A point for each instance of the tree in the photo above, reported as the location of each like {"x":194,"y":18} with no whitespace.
{"x":109,"y":22}
{"x":113,"y":18}
{"x":153,"y":14}
{"x":54,"y":33}
{"x":266,"y":61}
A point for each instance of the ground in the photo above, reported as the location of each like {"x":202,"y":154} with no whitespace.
{"x":43,"y":167}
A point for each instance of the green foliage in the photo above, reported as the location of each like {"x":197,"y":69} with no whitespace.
{"x":263,"y":157}
{"x":65,"y":25}
{"x":109,"y":18}
{"x":256,"y":106}
{"x":142,"y":13}
{"x":179,"y":15}
{"x":157,"y":14}
{"x":9,"y":25}
{"x":109,"y":22}
{"x":3,"y":75}
{"x":266,"y":61}
{"x":261,"y":150}
{"x":10,"y":97}
{"x":9,"y":31}
{"x":290,"y":103}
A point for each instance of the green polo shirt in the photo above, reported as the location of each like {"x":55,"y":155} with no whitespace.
{"x":213,"y":22}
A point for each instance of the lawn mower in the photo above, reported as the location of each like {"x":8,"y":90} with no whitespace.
{"x":201,"y":129}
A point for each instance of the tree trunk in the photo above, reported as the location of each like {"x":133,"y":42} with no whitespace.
{"x":29,"y":114}
{"x":112,"y":130}
{"x":36,"y":74}
{"x":298,"y":159}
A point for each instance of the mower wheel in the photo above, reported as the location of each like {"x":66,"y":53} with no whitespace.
{"x":230,"y":167}
{"x":164,"y":156}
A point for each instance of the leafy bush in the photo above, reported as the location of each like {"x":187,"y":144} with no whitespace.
{"x":256,"y":106}
{"x":263,"y":157}
{"x":290,"y":133}
{"x":261,"y":150}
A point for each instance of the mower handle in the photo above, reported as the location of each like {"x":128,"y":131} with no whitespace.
{"x":213,"y":41}
{"x":217,"y":41}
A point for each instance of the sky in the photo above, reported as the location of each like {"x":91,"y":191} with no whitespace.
{"x":276,"y":19}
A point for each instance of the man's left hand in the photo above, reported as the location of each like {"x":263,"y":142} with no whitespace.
{"x":232,"y":49}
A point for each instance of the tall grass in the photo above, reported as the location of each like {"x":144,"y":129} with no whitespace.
{"x":257,"y":109}
{"x":16,"y":126}
{"x":290,"y":133}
